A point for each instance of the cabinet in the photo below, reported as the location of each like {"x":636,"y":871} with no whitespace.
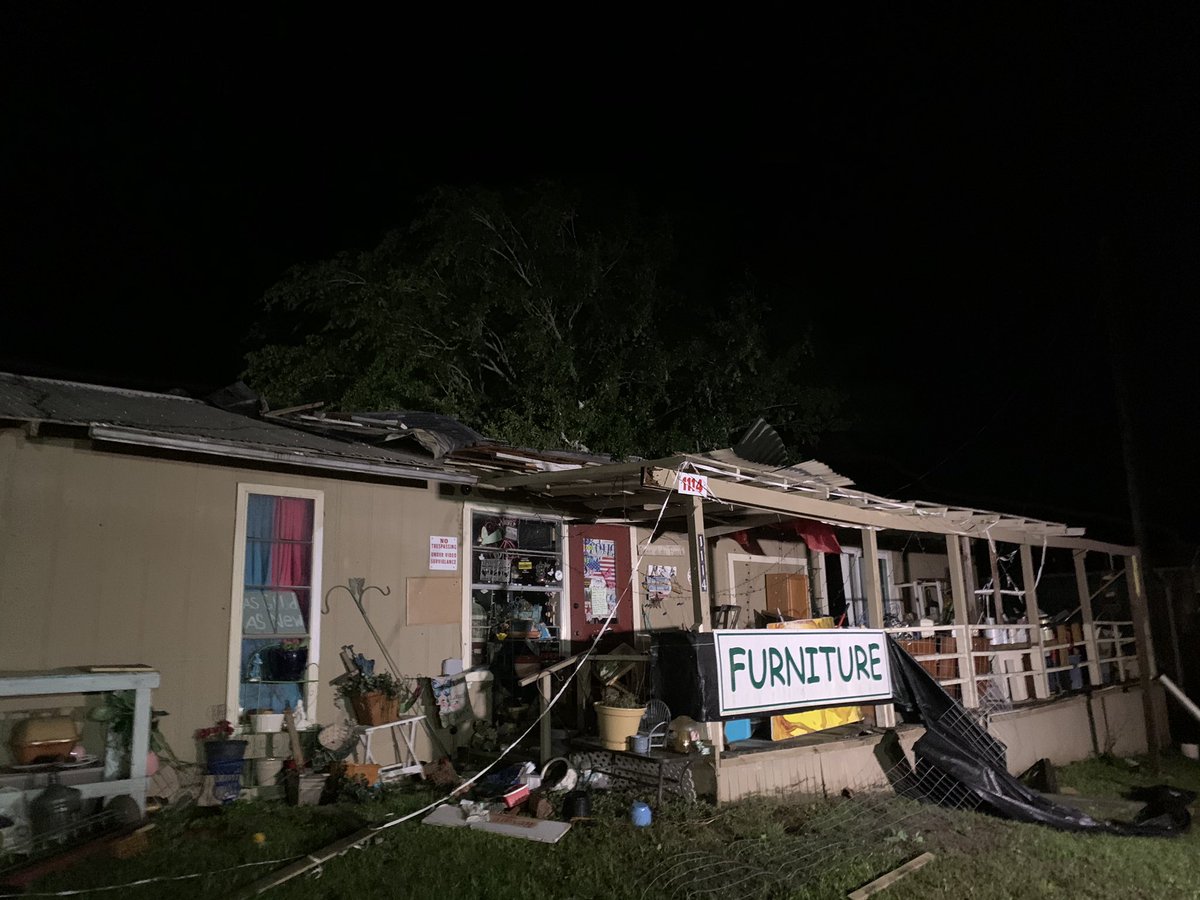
{"x":83,"y":681}
{"x":517,"y":579}
{"x":787,"y":592}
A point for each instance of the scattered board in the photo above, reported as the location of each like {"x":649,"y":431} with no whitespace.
{"x":511,"y":826}
{"x":890,"y":878}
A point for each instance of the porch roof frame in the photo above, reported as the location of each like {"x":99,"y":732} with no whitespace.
{"x":809,"y":490}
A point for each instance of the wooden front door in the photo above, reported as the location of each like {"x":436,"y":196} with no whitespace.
{"x":599,"y":560}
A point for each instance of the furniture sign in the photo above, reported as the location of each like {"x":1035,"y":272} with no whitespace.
{"x":762,"y":671}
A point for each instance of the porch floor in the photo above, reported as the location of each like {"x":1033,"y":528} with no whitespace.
{"x":838,"y":734}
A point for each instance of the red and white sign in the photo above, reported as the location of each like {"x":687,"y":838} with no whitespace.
{"x":696,"y":485}
{"x":443,"y":554}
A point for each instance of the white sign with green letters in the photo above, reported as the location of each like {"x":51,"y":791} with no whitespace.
{"x":770,"y":670}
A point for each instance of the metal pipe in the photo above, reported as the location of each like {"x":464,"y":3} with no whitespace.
{"x":1179,"y":695}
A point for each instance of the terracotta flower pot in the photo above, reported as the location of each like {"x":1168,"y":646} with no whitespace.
{"x":375,"y":708}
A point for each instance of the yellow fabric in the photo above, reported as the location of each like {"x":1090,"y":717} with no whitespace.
{"x":797,"y":724}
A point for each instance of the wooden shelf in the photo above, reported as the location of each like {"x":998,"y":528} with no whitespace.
{"x":518,"y":588}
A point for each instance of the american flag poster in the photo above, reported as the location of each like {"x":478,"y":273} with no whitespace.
{"x":600,"y":577}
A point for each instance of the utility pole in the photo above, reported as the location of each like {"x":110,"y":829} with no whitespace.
{"x":1118,"y":355}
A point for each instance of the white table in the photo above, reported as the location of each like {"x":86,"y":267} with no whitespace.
{"x":403,"y":733}
{"x":82,"y":681}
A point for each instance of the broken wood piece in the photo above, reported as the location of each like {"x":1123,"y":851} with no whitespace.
{"x":294,"y":736}
{"x":890,"y":878}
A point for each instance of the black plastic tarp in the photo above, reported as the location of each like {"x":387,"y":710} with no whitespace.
{"x":959,"y":764}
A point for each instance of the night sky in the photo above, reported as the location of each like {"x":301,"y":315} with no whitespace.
{"x":951,"y":204}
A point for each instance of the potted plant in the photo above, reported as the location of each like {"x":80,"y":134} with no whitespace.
{"x":288,"y":660}
{"x":374,"y":697}
{"x":618,"y":716}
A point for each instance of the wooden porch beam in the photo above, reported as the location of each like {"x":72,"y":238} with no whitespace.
{"x":1041,"y":684}
{"x":698,"y":558}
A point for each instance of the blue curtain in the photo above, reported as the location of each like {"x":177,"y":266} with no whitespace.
{"x":260,"y":528}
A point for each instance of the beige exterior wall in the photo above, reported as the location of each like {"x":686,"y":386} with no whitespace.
{"x":668,"y":549}
{"x":1059,"y":731}
{"x":1121,"y":721}
{"x":924,"y":567}
{"x":117,"y":558}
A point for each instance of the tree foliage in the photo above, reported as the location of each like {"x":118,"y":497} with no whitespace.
{"x":538,"y":319}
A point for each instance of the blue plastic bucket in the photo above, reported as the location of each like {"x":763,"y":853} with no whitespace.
{"x":225,"y":767}
{"x":639,"y":814}
{"x":227,"y":788}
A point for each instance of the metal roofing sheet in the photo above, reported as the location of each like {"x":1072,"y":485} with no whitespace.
{"x":24,"y":398}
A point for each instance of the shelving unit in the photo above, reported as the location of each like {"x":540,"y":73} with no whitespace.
{"x":82,"y":681}
{"x":516,"y":572}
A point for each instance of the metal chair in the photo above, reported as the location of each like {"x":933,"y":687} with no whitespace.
{"x":726,"y":616}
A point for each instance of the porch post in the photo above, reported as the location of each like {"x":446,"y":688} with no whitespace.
{"x":1147,"y":670}
{"x":962,"y":621}
{"x":1089,"y":628}
{"x":885,"y":716}
{"x":970,"y":582}
{"x":871,"y":582}
{"x":1147,"y":664}
{"x":544,"y":696}
{"x":1041,"y":684}
{"x":997,"y":597}
{"x":698,"y":556}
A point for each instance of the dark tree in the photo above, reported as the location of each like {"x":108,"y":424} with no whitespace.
{"x":541,"y":320}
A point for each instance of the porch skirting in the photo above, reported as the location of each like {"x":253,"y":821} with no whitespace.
{"x":1064,"y":731}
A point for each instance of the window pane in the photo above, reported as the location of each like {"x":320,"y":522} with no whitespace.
{"x":277,"y":603}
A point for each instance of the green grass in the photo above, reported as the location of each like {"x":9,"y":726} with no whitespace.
{"x":833,"y":846}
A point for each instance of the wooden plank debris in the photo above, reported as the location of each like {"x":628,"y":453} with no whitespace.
{"x":890,"y":878}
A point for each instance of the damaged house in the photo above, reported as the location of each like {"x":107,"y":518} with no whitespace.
{"x":194,"y":537}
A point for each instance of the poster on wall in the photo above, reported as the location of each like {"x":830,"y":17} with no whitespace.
{"x":272,"y":613}
{"x":443,"y":554}
{"x":600,"y":572}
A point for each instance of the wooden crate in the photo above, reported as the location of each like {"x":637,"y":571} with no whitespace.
{"x":983,"y":665}
{"x":923,"y":647}
{"x":947,"y":668}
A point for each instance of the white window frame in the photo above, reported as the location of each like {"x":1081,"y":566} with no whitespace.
{"x":234,"y":663}
{"x":850,"y":559}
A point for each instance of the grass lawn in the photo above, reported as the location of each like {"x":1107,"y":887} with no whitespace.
{"x":761,"y":848}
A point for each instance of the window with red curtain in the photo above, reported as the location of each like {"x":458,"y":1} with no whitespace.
{"x":277,"y":603}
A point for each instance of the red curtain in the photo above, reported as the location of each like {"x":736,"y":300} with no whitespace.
{"x":290,"y":562}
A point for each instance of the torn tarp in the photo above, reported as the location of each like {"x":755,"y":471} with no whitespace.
{"x":959,"y":764}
